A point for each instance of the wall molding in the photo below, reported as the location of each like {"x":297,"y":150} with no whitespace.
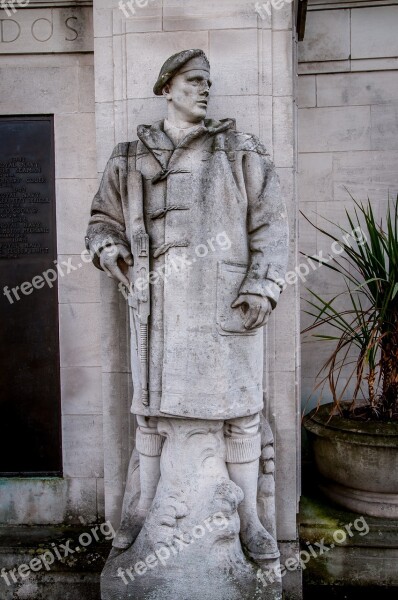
{"x":314,"y":5}
{"x":55,"y":4}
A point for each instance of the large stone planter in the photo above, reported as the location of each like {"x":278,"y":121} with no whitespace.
{"x":357,"y":461}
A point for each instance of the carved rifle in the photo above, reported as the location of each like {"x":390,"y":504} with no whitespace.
{"x":139,"y":297}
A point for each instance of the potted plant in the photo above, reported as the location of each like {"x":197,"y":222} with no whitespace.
{"x":355,"y":443}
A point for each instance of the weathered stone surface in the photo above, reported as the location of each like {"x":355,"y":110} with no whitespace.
{"x":48,"y":501}
{"x":283,"y":116}
{"x":265,"y":62}
{"x":315,"y":178}
{"x":374,"y":64}
{"x":78,"y":159}
{"x":357,"y":462}
{"x":83,"y":459}
{"x":384,"y":121}
{"x":282,"y":53}
{"x":81,"y":390}
{"x":327,"y":36}
{"x":383,"y":40}
{"x":56,"y":86}
{"x":79,"y":285}
{"x":77,"y":576}
{"x":105,"y":126}
{"x":339,"y":129}
{"x":265,"y":108}
{"x":245,"y":110}
{"x":366,"y":175}
{"x":72,"y":205}
{"x":141,"y":19}
{"x":189,"y":545}
{"x":235,"y":47}
{"x":366,"y":559}
{"x":306,"y":91}
{"x":327,"y":66}
{"x":75,"y":349}
{"x":181,"y":15}
{"x":353,"y":89}
{"x":118,"y":442}
{"x":103,"y":62}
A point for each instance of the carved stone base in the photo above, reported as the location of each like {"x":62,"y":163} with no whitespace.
{"x":189,"y":546}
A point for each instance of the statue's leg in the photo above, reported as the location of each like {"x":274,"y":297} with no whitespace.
{"x":142,"y":482}
{"x":243,"y":444}
{"x":149,"y":445}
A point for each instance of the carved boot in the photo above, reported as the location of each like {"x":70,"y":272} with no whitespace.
{"x":257,"y":542}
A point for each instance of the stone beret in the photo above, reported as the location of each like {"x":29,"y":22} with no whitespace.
{"x":173,"y":65}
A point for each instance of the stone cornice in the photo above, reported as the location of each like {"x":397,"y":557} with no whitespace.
{"x":56,"y":4}
{"x":333,"y":4}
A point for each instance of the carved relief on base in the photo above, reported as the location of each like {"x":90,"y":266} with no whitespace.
{"x":189,"y":544}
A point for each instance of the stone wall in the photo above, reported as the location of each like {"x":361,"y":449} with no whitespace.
{"x":348,"y":132}
{"x":48,"y":69}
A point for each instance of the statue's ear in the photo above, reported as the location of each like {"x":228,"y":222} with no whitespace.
{"x":166,"y":91}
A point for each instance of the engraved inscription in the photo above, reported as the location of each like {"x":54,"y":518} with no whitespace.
{"x":41,"y":30}
{"x":59,"y":29}
{"x":30,"y":427}
{"x":21,"y":208}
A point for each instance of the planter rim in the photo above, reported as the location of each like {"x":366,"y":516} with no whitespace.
{"x":364,"y":433}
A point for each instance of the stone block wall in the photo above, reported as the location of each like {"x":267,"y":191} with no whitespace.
{"x":56,"y":77}
{"x":348,"y":132}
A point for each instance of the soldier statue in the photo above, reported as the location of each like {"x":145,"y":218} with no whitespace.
{"x":190,"y":219}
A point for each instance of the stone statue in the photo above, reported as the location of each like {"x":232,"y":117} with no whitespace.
{"x":190,"y":220}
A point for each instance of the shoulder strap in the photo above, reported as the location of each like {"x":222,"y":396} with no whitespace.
{"x":132,"y":155}
{"x":135,"y":194}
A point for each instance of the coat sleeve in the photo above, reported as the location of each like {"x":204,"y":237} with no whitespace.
{"x":267,"y":226}
{"x":107,"y":223}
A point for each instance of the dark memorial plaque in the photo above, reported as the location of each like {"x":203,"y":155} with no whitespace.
{"x":30,"y":428}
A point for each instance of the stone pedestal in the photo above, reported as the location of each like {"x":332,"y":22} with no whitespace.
{"x":189,"y":546}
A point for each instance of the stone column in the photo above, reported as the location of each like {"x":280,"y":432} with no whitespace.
{"x":253,"y":67}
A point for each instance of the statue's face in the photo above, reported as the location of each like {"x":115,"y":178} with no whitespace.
{"x":189,"y":93}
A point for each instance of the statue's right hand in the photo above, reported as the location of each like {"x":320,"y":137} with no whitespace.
{"x":115,"y":260}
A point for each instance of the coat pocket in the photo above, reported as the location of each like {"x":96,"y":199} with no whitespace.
{"x":230,"y":277}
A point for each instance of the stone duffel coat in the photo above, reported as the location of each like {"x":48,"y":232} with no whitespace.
{"x":217,"y":228}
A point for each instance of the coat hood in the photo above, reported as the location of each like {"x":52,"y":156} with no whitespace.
{"x":161,"y":146}
{"x":154,"y":135}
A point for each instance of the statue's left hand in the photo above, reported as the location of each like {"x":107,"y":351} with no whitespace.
{"x":255,"y":309}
